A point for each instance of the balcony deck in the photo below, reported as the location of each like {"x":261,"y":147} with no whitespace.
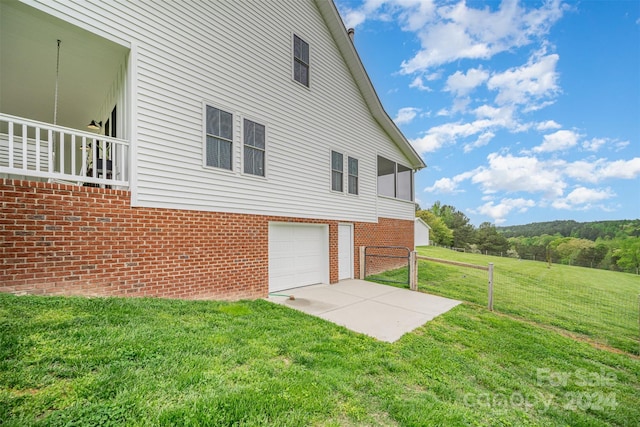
{"x":41,"y":151}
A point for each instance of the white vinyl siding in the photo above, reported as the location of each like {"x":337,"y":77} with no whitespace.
{"x":187,"y":52}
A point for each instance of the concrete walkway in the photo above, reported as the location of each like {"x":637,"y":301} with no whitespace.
{"x":383,"y":312}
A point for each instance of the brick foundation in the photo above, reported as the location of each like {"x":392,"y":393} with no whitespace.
{"x":67,"y":240}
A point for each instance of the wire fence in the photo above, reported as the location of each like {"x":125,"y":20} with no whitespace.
{"x":609,"y":315}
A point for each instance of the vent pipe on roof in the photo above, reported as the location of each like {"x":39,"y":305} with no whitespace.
{"x":351,"y":33}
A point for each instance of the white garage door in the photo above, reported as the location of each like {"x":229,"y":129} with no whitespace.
{"x":298,"y":255}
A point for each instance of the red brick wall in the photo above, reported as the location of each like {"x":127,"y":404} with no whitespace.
{"x":387,"y":232}
{"x":64,"y":239}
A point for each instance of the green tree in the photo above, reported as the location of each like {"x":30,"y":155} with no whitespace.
{"x":628,"y":256}
{"x":572,"y":251}
{"x":488,"y":239}
{"x":457,"y":222}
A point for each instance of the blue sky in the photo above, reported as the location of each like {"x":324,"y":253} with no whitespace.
{"x":523,"y":111}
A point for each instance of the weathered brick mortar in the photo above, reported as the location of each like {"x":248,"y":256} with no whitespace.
{"x":62,"y":239}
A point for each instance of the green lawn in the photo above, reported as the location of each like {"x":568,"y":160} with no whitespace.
{"x":599,"y":304}
{"x":78,"y":361}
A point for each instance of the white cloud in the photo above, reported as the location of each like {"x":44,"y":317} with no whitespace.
{"x":557,"y":141}
{"x":456,"y":31}
{"x":582,"y":198}
{"x":428,"y":143}
{"x":498,"y":212}
{"x":601,"y":169}
{"x":482,"y":140}
{"x":515,"y":174}
{"x":355,"y":17}
{"x":529,"y":83}
{"x":620,"y":169}
{"x":443,"y":185}
{"x":406,"y":115}
{"x":619,"y":145}
{"x":461,"y":84}
{"x":418,"y":84}
{"x":448,"y":133}
{"x":506,"y":173}
{"x":549,"y":124}
{"x":449,"y":185}
{"x":488,"y":119}
{"x":594,"y":144}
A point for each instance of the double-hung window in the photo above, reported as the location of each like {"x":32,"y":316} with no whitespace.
{"x":300,"y":60}
{"x":337,"y":174}
{"x":219,"y":138}
{"x":254,"y":148}
{"x":353,"y":176}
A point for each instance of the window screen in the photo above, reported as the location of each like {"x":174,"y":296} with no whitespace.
{"x":336,"y":171}
{"x":394,"y":180}
{"x":353,"y":175}
{"x":254,"y":148}
{"x":300,"y":60}
{"x":404,"y":183}
{"x":219,"y":138}
{"x":386,"y":177}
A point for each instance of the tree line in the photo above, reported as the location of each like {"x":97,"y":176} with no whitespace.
{"x":610,"y":245}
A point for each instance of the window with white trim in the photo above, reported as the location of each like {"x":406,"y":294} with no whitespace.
{"x":219,"y":144}
{"x":394,"y":180}
{"x":254,"y":147}
{"x":300,"y":60}
{"x":353,"y":175}
{"x":337,"y":174}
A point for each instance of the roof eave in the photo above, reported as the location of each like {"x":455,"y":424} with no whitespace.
{"x":339,"y":32}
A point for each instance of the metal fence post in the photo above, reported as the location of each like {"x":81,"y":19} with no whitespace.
{"x":490,"y":286}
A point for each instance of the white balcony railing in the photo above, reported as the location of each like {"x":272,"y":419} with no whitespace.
{"x":41,"y":150}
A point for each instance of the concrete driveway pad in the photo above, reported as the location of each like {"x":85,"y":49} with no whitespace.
{"x":383,"y":312}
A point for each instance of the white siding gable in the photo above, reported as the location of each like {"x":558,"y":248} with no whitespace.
{"x":238,"y":56}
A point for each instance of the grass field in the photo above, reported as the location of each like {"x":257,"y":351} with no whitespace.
{"x":602,"y":305}
{"x":76,"y":361}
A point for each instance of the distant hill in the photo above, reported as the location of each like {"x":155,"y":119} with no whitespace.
{"x":581,"y":230}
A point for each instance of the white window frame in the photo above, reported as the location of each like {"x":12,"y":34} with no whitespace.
{"x":266,"y":145}
{"x":332,"y":170}
{"x":217,"y":106}
{"x":357,"y":176}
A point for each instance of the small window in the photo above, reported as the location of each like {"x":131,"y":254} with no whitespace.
{"x":353,"y":175}
{"x":254,"y":148}
{"x":219,"y":138}
{"x":336,"y":171}
{"x":300,"y":60}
